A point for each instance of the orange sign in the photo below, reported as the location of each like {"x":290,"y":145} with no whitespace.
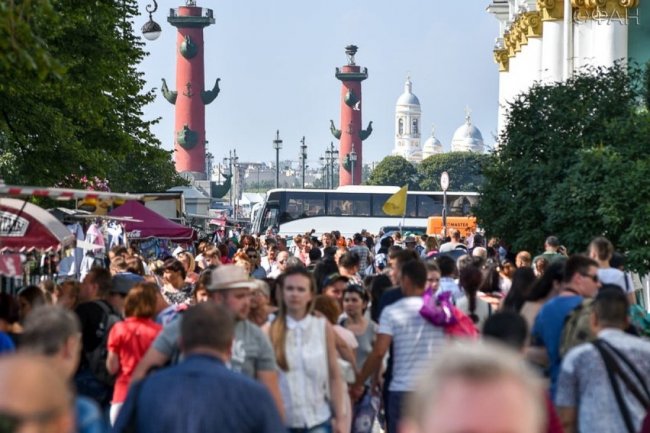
{"x":466,"y":225}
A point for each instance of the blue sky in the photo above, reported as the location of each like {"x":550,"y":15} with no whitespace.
{"x":276,"y":62}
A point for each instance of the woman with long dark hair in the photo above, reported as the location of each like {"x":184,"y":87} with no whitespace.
{"x":470,"y":280}
{"x":522,"y":282}
{"x":546,"y":287}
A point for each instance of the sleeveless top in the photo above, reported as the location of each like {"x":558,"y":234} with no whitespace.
{"x":305,"y":387}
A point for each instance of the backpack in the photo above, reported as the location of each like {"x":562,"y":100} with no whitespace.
{"x":640,"y":320}
{"x":97,"y":358}
{"x":577,"y":327}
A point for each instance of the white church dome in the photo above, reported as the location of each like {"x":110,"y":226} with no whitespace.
{"x":432,"y":146}
{"x":467,"y":138}
{"x":408,"y":98}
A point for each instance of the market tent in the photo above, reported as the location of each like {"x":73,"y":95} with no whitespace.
{"x":24,"y":225}
{"x":150,"y":224}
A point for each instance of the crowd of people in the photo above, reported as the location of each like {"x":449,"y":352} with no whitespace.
{"x":401,"y":333}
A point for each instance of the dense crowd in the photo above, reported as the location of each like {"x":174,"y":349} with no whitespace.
{"x":396,"y":332}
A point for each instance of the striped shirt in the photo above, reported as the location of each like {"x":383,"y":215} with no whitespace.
{"x":415,"y":341}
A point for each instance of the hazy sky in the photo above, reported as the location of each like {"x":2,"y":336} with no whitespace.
{"x":276,"y":62}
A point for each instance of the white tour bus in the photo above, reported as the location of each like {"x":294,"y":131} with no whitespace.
{"x":350,"y":209}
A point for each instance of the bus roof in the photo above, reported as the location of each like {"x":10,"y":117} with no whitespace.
{"x":377,"y":189}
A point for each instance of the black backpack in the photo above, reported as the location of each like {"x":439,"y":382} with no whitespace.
{"x":97,"y":358}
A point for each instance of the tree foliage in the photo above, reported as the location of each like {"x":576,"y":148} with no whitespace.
{"x":395,"y":171}
{"x":464,"y":169}
{"x":573,"y":161}
{"x":78,"y":109}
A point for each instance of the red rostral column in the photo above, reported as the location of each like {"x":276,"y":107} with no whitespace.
{"x":351,"y":134}
{"x":190,"y":96}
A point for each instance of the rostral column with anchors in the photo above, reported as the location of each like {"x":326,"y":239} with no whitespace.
{"x":350,"y":134}
{"x":190,"y":96}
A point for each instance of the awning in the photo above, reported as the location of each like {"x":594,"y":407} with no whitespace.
{"x":24,"y":225}
{"x":63,"y":193}
{"x":150,"y":224}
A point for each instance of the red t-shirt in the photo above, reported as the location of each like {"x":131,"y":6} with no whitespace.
{"x":130,"y":339}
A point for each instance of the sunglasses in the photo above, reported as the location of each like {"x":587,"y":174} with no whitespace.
{"x":593,"y":277}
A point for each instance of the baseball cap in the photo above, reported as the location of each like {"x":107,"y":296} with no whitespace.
{"x":230,"y":277}
{"x":409,"y":239}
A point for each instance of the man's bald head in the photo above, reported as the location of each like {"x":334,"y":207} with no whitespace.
{"x":35,"y":395}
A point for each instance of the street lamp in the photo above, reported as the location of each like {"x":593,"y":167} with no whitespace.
{"x":277,"y":145}
{"x":303,"y":158}
{"x":236,"y":179}
{"x":326,"y":172}
{"x":353,"y":161}
{"x":332,"y":156}
{"x":151,"y":30}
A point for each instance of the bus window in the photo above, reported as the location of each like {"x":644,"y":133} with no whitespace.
{"x":460,"y":205}
{"x":411,"y":207}
{"x":348,"y":205}
{"x":303,"y":205}
{"x":429,"y":205}
{"x":269,"y":219}
{"x":378,"y":201}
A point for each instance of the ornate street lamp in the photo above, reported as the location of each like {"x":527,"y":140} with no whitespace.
{"x":353,"y":161}
{"x":151,"y":30}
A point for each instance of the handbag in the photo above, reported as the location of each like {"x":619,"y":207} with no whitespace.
{"x":365,"y":412}
{"x":609,"y":354}
{"x":438,"y":310}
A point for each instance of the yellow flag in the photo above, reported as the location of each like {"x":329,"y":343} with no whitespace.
{"x":396,"y":203}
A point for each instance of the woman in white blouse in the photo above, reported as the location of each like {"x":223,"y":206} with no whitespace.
{"x":310,"y":381}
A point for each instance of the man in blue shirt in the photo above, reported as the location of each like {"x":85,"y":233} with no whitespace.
{"x":200,"y":395}
{"x":580,"y":281}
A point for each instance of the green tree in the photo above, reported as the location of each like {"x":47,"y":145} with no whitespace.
{"x":87,"y":120}
{"x":464,"y":169}
{"x":573,"y":161}
{"x":395,"y":171}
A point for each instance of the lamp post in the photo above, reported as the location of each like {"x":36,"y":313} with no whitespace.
{"x":444,"y":184}
{"x":332,"y":155}
{"x":326,"y":173}
{"x":151,"y":30}
{"x":277,"y":145}
{"x":353,"y":161}
{"x":236,"y":180}
{"x":303,"y":159}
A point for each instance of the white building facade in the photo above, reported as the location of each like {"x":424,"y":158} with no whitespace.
{"x":547,"y":40}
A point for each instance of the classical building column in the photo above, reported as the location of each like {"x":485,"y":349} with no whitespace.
{"x":583,"y":44}
{"x":609,"y":20}
{"x":552,"y":16}
{"x":530,"y":24}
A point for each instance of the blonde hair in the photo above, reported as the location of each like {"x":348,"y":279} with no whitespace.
{"x":191,"y":264}
{"x":278,"y":329}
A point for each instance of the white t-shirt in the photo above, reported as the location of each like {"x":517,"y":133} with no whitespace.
{"x":616,"y":276}
{"x":415,"y":341}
